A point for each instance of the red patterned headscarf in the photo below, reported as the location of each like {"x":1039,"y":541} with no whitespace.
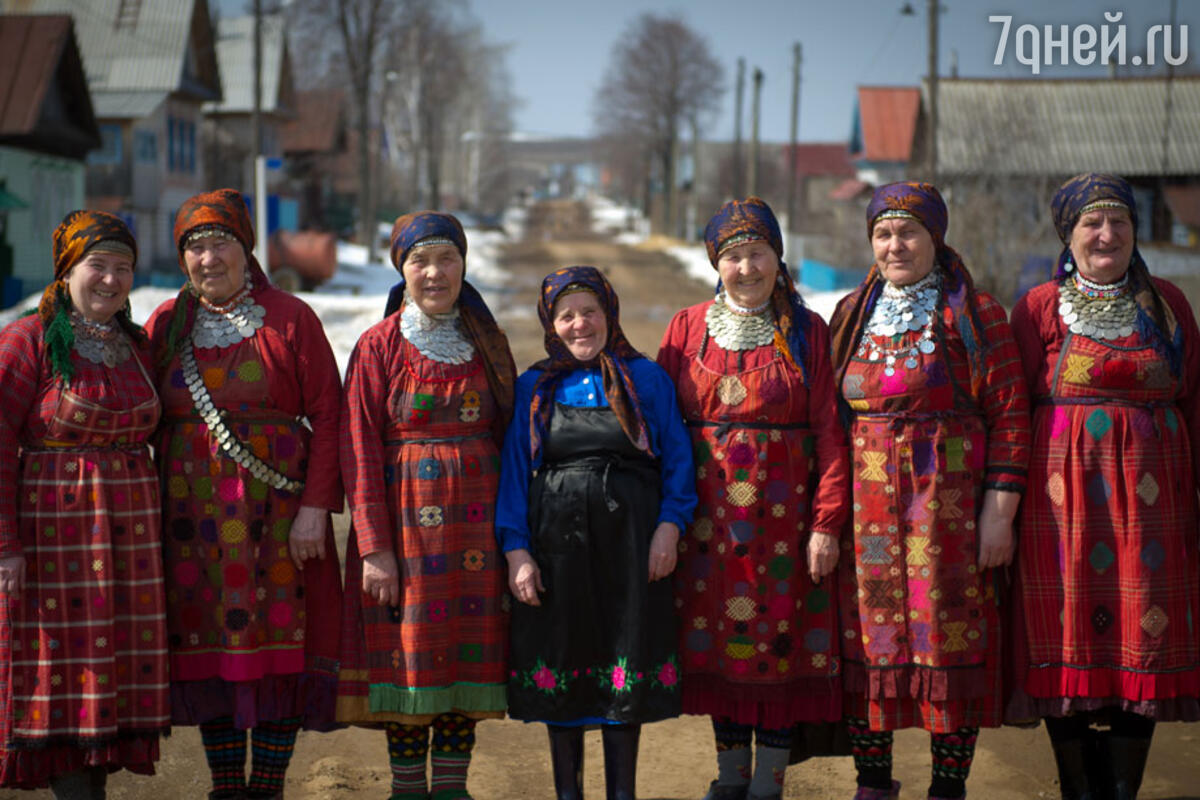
{"x":923,"y":203}
{"x":613,"y":359}
{"x":226,"y":210}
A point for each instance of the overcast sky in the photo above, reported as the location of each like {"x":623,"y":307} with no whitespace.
{"x":561,"y":48}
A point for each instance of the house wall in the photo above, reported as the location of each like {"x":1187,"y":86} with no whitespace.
{"x":51,"y":186}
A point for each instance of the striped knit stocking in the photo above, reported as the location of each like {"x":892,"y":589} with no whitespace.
{"x":733,"y":751}
{"x":225,"y":750}
{"x":951,"y":754}
{"x":453,"y":739}
{"x":271,"y":746}
{"x":408,"y":749}
{"x":872,"y":754}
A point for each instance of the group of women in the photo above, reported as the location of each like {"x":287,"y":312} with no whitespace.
{"x":780,"y":524}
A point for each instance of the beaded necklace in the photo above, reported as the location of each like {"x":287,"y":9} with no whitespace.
{"x":1097,"y":310}
{"x":901,"y":310}
{"x":100,"y":342}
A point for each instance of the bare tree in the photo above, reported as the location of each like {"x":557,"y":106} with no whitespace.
{"x":660,"y":79}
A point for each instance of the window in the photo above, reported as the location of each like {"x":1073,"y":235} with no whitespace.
{"x":172,"y":143}
{"x":110,"y":148}
{"x":145,"y":146}
{"x":181,"y":145}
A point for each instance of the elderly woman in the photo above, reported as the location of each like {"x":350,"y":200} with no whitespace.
{"x":939,"y":429}
{"x":759,"y":638}
{"x":251,"y":405}
{"x":425,"y":625}
{"x":596,"y":485}
{"x":1108,"y":565}
{"x":83,"y":690}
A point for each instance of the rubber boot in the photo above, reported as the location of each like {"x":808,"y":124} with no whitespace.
{"x":1071,"y":756}
{"x":620,"y":760}
{"x":85,"y":784}
{"x":566,"y":756}
{"x":1128,"y":760}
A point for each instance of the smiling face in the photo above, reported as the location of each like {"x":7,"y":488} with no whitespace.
{"x":434,"y":275}
{"x":216,"y":267}
{"x":1102,"y":244}
{"x":99,"y":284}
{"x":748,"y":272}
{"x":580,"y":321}
{"x":904,"y":250}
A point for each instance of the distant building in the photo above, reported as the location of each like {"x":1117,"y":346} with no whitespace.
{"x":228,"y":122}
{"x":150,"y":65}
{"x":884,"y":132}
{"x":47,"y":126}
{"x":315,"y":142}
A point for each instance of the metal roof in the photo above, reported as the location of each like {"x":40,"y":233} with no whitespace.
{"x":1063,"y":127}
{"x":127,"y":105}
{"x":132,"y":45}
{"x":235,"y":54}
{"x":885,"y":122}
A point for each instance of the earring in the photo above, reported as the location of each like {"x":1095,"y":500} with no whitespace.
{"x":1068,"y":265}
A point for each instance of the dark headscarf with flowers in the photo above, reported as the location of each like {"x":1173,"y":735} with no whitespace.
{"x":613,"y":359}
{"x":923,"y":203}
{"x":741,"y":221}
{"x":223,"y":212}
{"x":432,"y":227}
{"x":79,"y":233}
{"x":1096,"y":190}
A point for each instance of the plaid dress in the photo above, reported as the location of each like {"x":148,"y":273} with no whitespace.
{"x":920,"y":623}
{"x":83,"y":660}
{"x":1108,"y":561}
{"x":421,"y":469}
{"x":759,"y":639}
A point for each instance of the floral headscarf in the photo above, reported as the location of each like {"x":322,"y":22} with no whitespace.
{"x":1155,"y":320}
{"x":79,"y":232}
{"x":477,"y":319}
{"x":741,"y":221}
{"x":923,"y":203}
{"x":613,"y":359}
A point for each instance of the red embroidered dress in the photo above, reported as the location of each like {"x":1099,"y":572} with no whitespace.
{"x":920,"y":623}
{"x":251,"y":637}
{"x":83,"y":663}
{"x":758,"y":638}
{"x":1108,"y":561}
{"x":421,"y":469}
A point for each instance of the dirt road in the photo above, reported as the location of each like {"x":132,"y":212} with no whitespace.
{"x":677,"y":757}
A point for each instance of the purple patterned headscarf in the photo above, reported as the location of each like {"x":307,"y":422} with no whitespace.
{"x":1091,"y":190}
{"x":923,"y":203}
{"x":613,"y":359}
{"x":741,"y":221}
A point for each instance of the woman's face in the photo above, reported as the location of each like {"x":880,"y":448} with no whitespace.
{"x":1102,"y":244}
{"x":216,"y":267}
{"x":434,"y":276}
{"x":748,"y":272}
{"x":580,"y":322}
{"x":99,"y":284}
{"x":904,"y":250}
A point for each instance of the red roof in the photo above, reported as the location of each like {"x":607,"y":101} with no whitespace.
{"x":849,"y":189}
{"x":821,"y":158}
{"x":887,"y":117}
{"x":320,"y":118}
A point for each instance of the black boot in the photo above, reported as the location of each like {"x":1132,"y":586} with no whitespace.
{"x":566,"y":756}
{"x":1071,"y":757}
{"x":1128,"y":759}
{"x":620,"y":761}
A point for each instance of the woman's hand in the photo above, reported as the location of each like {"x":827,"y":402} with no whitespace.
{"x":524,"y":577}
{"x":822,"y":554}
{"x":381,"y":577}
{"x":12,"y":575}
{"x":996,"y":527}
{"x":307,"y":537}
{"x":664,"y":550}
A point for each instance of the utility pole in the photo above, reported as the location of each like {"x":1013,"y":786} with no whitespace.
{"x":792,"y":162}
{"x":758,"y":81}
{"x":932,"y":127}
{"x":260,"y":166}
{"x":737,"y":128}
